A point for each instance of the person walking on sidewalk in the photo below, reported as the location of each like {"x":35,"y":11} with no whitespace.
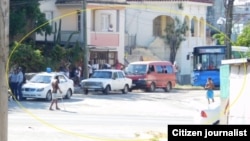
{"x":55,"y":89}
{"x":210,"y":92}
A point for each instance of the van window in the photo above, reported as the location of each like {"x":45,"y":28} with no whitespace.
{"x":159,"y":69}
{"x":164,"y":69}
{"x":151,"y":68}
{"x":169,"y":69}
{"x":136,"y":69}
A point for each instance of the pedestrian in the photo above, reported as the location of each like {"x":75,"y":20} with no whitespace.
{"x":210,"y":92}
{"x":118,"y":65}
{"x":13,"y":83}
{"x":90,"y":69}
{"x":110,"y":29}
{"x":20,"y":80}
{"x":55,"y":89}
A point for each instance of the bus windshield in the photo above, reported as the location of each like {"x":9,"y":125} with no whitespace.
{"x":136,"y":69}
{"x":208,"y":61}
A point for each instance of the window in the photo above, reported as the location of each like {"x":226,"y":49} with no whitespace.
{"x":121,"y":75}
{"x":151,"y":68}
{"x":208,"y":61}
{"x":169,"y":69}
{"x":49,"y":17}
{"x":61,"y":79}
{"x":115,"y":75}
{"x":159,"y":69}
{"x":105,"y":21}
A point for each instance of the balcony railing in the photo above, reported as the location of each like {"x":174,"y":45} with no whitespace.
{"x":202,"y":1}
{"x":68,"y":1}
{"x":89,"y":1}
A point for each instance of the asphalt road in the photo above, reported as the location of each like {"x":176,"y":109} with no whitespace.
{"x":110,"y":117}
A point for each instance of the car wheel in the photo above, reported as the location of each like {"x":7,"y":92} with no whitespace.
{"x":49,"y":96}
{"x":106,"y":90}
{"x":125,"y":89}
{"x":168,"y":87}
{"x":85,"y":91}
{"x":68,"y":94}
{"x":152,"y":87}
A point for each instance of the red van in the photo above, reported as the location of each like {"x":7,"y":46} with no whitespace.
{"x":149,"y":75}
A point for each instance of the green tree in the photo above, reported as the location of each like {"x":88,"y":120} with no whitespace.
{"x":244,"y":38}
{"x":175,"y":34}
{"x":26,"y":56}
{"x":220,"y":38}
{"x":25,"y":16}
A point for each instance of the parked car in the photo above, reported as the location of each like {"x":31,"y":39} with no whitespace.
{"x":107,"y":80}
{"x":39,"y":86}
{"x":150,"y":75}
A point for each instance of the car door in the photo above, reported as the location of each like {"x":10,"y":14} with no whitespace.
{"x":115,"y":81}
{"x":121,"y":79}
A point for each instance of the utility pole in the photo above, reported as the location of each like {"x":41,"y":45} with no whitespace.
{"x":4,"y":53}
{"x":84,"y":43}
{"x":229,"y":18}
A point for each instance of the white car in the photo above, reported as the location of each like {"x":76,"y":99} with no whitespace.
{"x":39,"y":86}
{"x":107,"y":80}
{"x":208,"y":115}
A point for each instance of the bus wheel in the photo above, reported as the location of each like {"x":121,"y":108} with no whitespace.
{"x":168,"y":87}
{"x":152,"y":87}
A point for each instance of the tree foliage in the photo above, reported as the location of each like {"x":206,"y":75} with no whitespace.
{"x":26,"y":56}
{"x":175,"y":34}
{"x":25,"y":16}
{"x":244,"y":38}
{"x":220,"y":38}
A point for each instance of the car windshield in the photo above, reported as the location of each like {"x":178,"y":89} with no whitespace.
{"x":40,"y":79}
{"x":102,"y":74}
{"x":136,"y":69}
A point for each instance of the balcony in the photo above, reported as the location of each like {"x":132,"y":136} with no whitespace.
{"x":101,"y":39}
{"x":69,"y":1}
{"x":202,"y":1}
{"x":104,"y":39}
{"x":74,"y":2}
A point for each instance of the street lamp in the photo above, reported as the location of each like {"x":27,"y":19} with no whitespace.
{"x":221,"y":21}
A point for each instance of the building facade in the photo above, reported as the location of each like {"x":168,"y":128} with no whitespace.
{"x":104,"y":22}
{"x":147,"y":20}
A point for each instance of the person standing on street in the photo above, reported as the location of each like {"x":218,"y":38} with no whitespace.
{"x":55,"y":89}
{"x":209,"y":87}
{"x":20,"y":79}
{"x":13,"y":83}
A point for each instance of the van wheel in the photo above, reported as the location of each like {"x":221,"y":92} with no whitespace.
{"x":168,"y":87}
{"x":152,"y":87}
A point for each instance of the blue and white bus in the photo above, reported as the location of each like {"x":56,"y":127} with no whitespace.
{"x":207,"y":61}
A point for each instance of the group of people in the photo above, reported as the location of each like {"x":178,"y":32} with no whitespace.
{"x":16,"y":80}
